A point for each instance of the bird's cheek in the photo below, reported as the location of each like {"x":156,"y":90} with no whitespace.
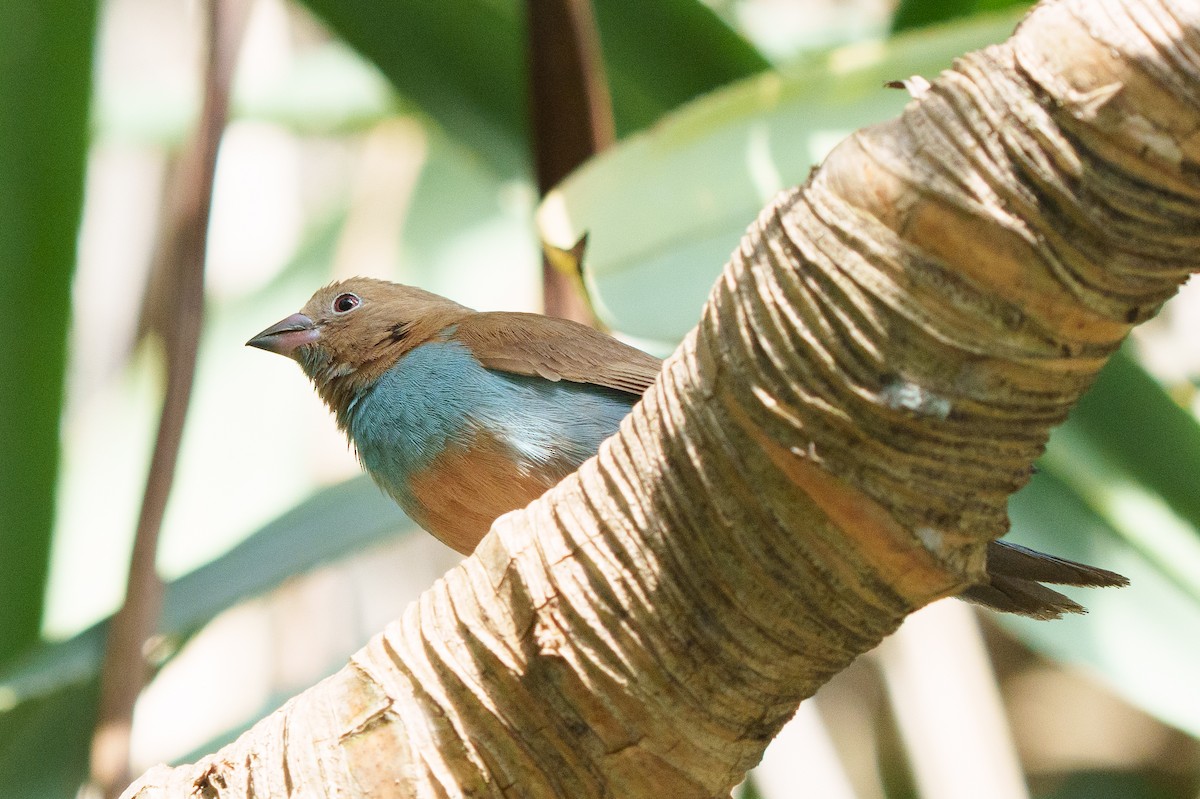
{"x":312,"y":358}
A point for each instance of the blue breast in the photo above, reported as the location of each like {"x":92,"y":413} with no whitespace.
{"x":439,"y":395}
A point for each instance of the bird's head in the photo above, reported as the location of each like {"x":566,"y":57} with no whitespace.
{"x":352,"y":331}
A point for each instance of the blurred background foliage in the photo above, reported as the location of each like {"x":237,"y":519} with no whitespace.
{"x":390,"y":140}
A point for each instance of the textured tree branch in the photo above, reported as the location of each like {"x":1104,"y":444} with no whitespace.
{"x":831,"y":448}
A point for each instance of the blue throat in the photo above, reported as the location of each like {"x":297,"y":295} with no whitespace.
{"x":439,"y":395}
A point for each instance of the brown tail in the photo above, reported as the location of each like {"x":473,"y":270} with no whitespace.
{"x":1015,"y":577}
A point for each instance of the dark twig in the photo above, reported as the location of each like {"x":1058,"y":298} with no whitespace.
{"x":570,"y":113}
{"x":180,"y":260}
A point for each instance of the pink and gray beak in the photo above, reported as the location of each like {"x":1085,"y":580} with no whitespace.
{"x":286,"y":336}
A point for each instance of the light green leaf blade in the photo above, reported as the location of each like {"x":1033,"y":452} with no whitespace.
{"x":462,"y":63}
{"x":919,"y":13}
{"x":664,"y":209}
{"x":334,"y":522}
{"x":1144,"y":640}
{"x":1139,"y":428}
{"x":660,"y":55}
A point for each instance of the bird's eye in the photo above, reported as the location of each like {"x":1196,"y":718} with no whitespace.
{"x":345,"y":303}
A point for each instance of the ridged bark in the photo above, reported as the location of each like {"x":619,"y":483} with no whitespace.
{"x":831,"y":448}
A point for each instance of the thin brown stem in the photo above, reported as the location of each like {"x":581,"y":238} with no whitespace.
{"x":570,"y":116}
{"x":180,"y":256}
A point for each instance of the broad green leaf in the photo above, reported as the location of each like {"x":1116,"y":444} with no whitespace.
{"x":44,"y":743}
{"x":1108,"y":784}
{"x":1144,"y":640}
{"x":1115,"y":491}
{"x":336,"y":521}
{"x":919,"y":13}
{"x":659,"y":55}
{"x":1139,"y":428}
{"x":664,"y":209}
{"x":1129,"y":454}
{"x":45,"y":80}
{"x":462,"y":63}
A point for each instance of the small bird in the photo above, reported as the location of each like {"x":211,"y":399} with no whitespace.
{"x":461,"y":416}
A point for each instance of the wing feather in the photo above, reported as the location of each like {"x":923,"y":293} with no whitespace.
{"x":556,"y":349}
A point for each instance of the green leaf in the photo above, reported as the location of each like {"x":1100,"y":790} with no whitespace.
{"x":45,"y":79}
{"x":660,"y":55}
{"x":1144,"y":640}
{"x":48,"y":696}
{"x":462,"y":63}
{"x":919,"y":13}
{"x":1140,"y":429}
{"x":1108,"y":785}
{"x":1114,"y":491}
{"x":747,"y":789}
{"x":1123,"y":480}
{"x":664,"y":209}
{"x":44,"y":743}
{"x":333,"y":522}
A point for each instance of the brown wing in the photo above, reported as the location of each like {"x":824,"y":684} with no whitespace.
{"x":556,"y":349}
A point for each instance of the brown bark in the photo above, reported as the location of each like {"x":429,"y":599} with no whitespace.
{"x":832,"y":447}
